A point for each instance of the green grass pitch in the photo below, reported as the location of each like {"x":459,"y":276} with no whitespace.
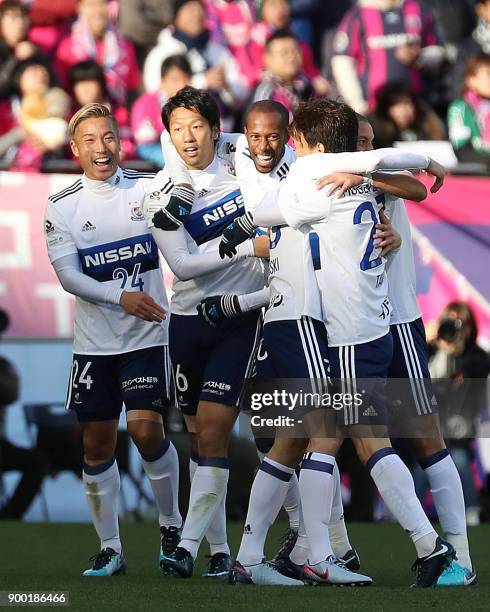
{"x":52,"y":556}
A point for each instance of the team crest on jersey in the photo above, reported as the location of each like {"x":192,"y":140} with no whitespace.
{"x":137,"y":214}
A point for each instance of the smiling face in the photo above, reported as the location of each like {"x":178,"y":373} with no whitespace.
{"x":193,"y":137}
{"x":266,"y":140}
{"x":96,"y":143}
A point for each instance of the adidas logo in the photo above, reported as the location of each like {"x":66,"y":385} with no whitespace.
{"x":88,"y":227}
{"x":433,"y":401}
{"x":202,"y":193}
{"x":370,"y":412}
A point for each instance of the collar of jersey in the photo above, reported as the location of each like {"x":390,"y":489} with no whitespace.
{"x":211,"y":168}
{"x":110,"y":183}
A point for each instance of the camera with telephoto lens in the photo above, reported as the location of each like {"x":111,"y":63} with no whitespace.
{"x":450,"y":330}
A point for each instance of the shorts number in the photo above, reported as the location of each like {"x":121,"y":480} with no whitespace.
{"x":180,"y":380}
{"x":122,"y":274}
{"x":366,"y":263}
{"x":84,"y":378}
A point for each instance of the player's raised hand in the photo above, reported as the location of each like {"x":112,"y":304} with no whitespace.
{"x":339,"y":182}
{"x":234,"y":234}
{"x":177,"y":211}
{"x":261,"y":246}
{"x":217,"y":309}
{"x":141,"y":305}
{"x":386,"y":238}
{"x":437,"y":170}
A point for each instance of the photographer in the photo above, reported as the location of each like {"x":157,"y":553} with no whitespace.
{"x":459,"y":368}
{"x":29,"y":461}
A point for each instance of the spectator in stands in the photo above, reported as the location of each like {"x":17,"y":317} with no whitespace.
{"x":50,"y":22}
{"x":469,"y":116}
{"x":401,"y":114}
{"x":14,"y":46}
{"x":459,"y":368}
{"x":89,"y":85}
{"x":146,"y":114}
{"x":33,"y":124}
{"x":276,"y":16}
{"x":213,"y":66}
{"x":230,"y":23}
{"x":381,"y":41}
{"x":93,"y":36}
{"x":283,"y":79}
{"x":142,"y":20}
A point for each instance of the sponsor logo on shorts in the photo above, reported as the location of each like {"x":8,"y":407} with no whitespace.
{"x":370,"y":412}
{"x":141,"y":382}
{"x":216,"y":387}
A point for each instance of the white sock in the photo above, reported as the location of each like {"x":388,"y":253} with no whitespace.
{"x":395,"y":485}
{"x":316,"y":489}
{"x":301,"y":551}
{"x":337,"y":532}
{"x":447,"y":492}
{"x":268,"y":492}
{"x":162,"y":469}
{"x":292,"y":502}
{"x":207,"y":491}
{"x":102,"y":484}
{"x":216,"y":534}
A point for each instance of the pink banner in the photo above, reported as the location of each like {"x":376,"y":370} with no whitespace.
{"x":451,"y":234}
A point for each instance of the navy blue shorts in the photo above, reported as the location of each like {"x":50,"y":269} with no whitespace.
{"x":100,"y":384}
{"x":211,"y":363}
{"x":293,"y":349}
{"x":410,"y":362}
{"x":360,"y":370}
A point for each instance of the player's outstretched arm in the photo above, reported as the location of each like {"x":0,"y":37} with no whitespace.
{"x":186,"y":265}
{"x":399,"y":185}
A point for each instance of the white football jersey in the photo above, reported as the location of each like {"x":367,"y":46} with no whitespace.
{"x":218,"y":202}
{"x":293,"y":288}
{"x":400,"y":267}
{"x":350,"y":272}
{"x":103,"y":222}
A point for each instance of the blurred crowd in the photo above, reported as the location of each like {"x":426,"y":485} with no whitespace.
{"x":420,"y":69}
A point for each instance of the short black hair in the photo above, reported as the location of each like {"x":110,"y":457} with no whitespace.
{"x":270,"y":106}
{"x":176,"y":61}
{"x":13,"y":5}
{"x":325,"y":121}
{"x":279,"y":35}
{"x":193,"y":99}
{"x":88,"y":70}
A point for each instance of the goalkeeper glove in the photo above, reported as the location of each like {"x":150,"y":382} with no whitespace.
{"x":234,"y":234}
{"x":177,"y":210}
{"x":217,"y":309}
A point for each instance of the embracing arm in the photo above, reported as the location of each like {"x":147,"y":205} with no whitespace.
{"x":186,"y":265}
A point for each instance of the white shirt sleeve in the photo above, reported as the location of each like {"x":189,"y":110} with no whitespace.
{"x":57,"y":233}
{"x":74,"y":281}
{"x":268,"y":212}
{"x":301,"y":203}
{"x":186,"y":265}
{"x":253,"y":301}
